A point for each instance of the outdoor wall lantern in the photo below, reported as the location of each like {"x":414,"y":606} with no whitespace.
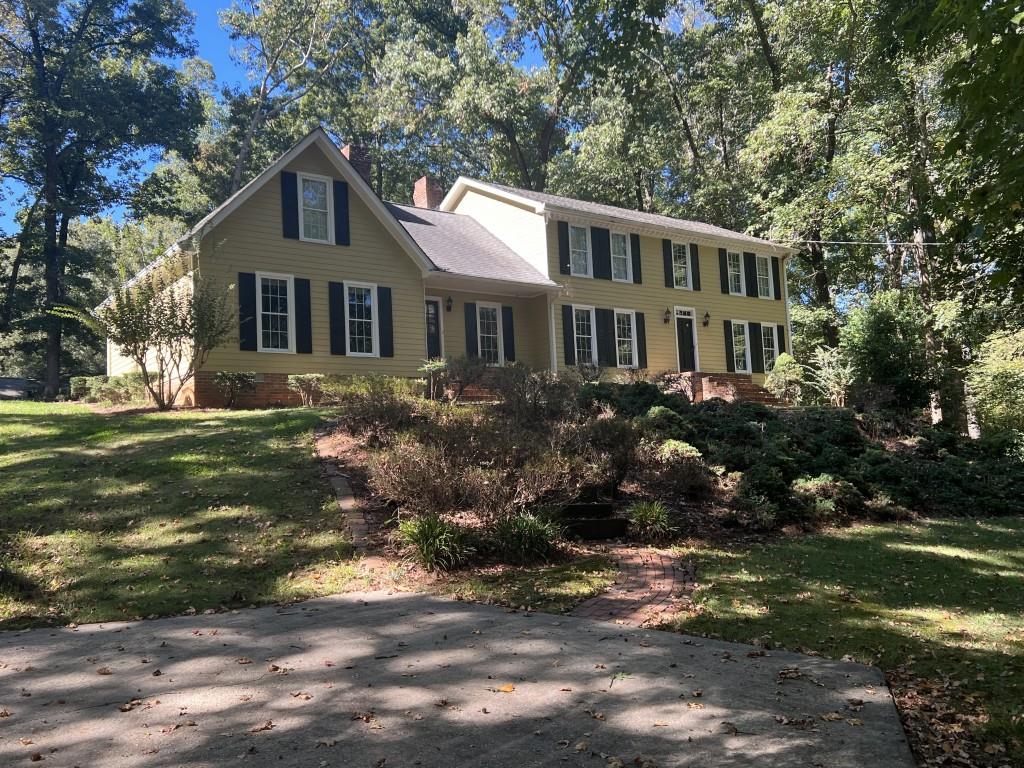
{"x":707,"y":319}
{"x":668,"y":314}
{"x":448,"y":305}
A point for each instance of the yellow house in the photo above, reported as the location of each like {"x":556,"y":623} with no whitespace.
{"x":331,"y":279}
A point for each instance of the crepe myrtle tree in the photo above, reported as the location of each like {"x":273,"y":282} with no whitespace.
{"x":167,"y":322}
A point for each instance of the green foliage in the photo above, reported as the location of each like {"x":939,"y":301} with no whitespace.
{"x":231,"y":384}
{"x":997,"y":382}
{"x":664,"y":423}
{"x":650,"y":521}
{"x":828,"y":499}
{"x":532,"y":397}
{"x":373,"y":405}
{"x":78,"y":387}
{"x":523,"y":538}
{"x":309,"y":386}
{"x":785,"y":380}
{"x":629,"y":400}
{"x":831,"y":375}
{"x":436,"y":543}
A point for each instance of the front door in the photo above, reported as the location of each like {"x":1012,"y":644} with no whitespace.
{"x":684,"y":336}
{"x":433,"y":308}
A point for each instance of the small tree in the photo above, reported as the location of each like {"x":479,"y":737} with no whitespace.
{"x":831,"y":374}
{"x":786,"y":379}
{"x":167,"y":323}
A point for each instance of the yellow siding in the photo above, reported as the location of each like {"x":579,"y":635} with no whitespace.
{"x":653,"y":298}
{"x":529,"y":320}
{"x":250,"y":240}
{"x":519,"y":227}
{"x":117,"y":363}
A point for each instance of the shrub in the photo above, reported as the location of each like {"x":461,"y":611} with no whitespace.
{"x":629,"y":400}
{"x":231,"y":384}
{"x":462,"y":373}
{"x":828,"y":499}
{"x":533,"y":397}
{"x":614,"y":439}
{"x":763,"y":483}
{"x":378,"y":406}
{"x":831,"y":375}
{"x":434,"y":369}
{"x":785,"y":380}
{"x":308,"y":385}
{"x":997,"y":380}
{"x":523,"y":538}
{"x":672,"y":468}
{"x":79,"y":387}
{"x":436,"y":543}
{"x":664,"y":423}
{"x":419,"y":478}
{"x":649,"y":521}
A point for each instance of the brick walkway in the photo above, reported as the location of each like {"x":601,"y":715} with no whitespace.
{"x":649,"y":583}
{"x":356,"y":521}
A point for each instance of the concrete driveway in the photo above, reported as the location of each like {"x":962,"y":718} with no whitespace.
{"x":388,"y":681}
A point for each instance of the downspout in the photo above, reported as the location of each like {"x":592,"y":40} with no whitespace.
{"x":551,"y":334}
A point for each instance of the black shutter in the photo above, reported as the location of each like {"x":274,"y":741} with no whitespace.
{"x":341,"y":228}
{"x":605,"y":320}
{"x":303,"y":319}
{"x":385,"y":323}
{"x":641,"y":341}
{"x":472,"y":345}
{"x":694,"y":267}
{"x":634,"y":249}
{"x":756,"y":345}
{"x":666,"y":257}
{"x":568,"y":335}
{"x":289,"y":205}
{"x":336,"y":313}
{"x":247,"y":311}
{"x":776,"y":274}
{"x":601,"y":248}
{"x":563,"y":248}
{"x":730,"y":362}
{"x":508,"y":335}
{"x":750,"y":268}
{"x":723,"y":269}
{"x":782,"y":338}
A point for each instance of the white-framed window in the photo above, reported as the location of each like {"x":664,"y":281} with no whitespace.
{"x":764,"y":277}
{"x":488,"y":333}
{"x":622,"y":262}
{"x":680,"y":266}
{"x":580,"y":262}
{"x":740,"y":358}
{"x":276,"y":310}
{"x":625,"y":338}
{"x":734,"y":264}
{"x":361,"y":319}
{"x":583,"y":324}
{"x":769,"y":343}
{"x":316,"y":217}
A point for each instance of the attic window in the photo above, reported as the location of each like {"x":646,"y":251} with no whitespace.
{"x":315,"y":208}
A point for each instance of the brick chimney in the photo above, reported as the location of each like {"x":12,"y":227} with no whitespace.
{"x":427,"y":192}
{"x":359,"y":156}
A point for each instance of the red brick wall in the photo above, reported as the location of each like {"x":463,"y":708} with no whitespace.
{"x":270,"y":391}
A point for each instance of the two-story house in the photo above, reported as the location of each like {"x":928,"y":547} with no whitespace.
{"x":332,"y":279}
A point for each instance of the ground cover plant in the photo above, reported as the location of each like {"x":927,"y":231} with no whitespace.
{"x":118,"y":516}
{"x":938,"y":604}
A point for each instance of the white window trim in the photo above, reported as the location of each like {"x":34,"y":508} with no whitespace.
{"x":629,"y":257}
{"x":615,"y":328}
{"x":593,"y":333}
{"x":746,"y":344}
{"x":260,"y":276}
{"x":375,"y":320}
{"x":330,"y":208}
{"x":743,"y":275}
{"x":501,"y":331}
{"x":689,"y":267}
{"x":440,"y":320}
{"x":771,"y":279}
{"x":775,"y":337}
{"x":691,"y":313}
{"x":590,"y":253}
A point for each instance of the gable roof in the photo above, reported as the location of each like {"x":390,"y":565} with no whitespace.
{"x":543,"y":202}
{"x":459,"y":244}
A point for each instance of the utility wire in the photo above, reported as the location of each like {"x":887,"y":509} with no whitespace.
{"x":859,"y":242}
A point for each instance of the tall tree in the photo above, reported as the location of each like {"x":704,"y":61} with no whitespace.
{"x":86,"y":91}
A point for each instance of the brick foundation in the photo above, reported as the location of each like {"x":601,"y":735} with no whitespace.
{"x":271,"y":390}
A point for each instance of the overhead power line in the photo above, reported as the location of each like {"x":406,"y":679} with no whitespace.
{"x":860,"y":242}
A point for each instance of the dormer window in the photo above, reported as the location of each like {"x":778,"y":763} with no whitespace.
{"x":315,"y":208}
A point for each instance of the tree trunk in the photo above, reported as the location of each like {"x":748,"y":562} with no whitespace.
{"x":7,"y":309}
{"x":767,"y":51}
{"x":51,"y":275}
{"x":821,"y":296}
{"x":245,"y":150}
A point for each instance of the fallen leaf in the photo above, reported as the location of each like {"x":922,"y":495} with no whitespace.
{"x":104,"y":671}
{"x":265,"y":727}
{"x":832,"y":716}
{"x":506,"y":688}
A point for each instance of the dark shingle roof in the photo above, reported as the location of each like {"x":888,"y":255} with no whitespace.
{"x":653,"y":219}
{"x":458,"y":243}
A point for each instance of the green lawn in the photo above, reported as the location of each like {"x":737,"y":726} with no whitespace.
{"x":942,"y":600}
{"x":115,"y":516}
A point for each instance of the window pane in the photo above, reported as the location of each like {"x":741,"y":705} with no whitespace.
{"x":314,"y":209}
{"x":739,"y":346}
{"x":768,"y":344}
{"x":314,"y":225}
{"x":584,"y":336}
{"x":487,"y":327}
{"x":764,"y":285}
{"x":620,"y":257}
{"x":624,"y":338}
{"x":274,"y":313}
{"x":680,"y":266}
{"x":360,"y":320}
{"x":735,"y":273}
{"x":578,"y":253}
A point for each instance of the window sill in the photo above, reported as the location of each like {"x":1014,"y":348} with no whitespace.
{"x":277,"y":351}
{"x":314,"y":242}
{"x":363,"y":354}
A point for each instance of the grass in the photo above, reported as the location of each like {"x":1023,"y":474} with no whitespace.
{"x":119,"y":516}
{"x":552,"y":589}
{"x":941,"y":600}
